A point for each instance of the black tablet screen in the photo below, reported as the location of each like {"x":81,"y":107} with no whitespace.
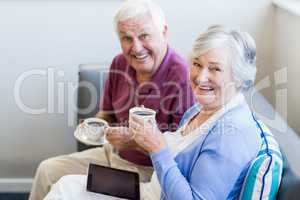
{"x":113,"y":182}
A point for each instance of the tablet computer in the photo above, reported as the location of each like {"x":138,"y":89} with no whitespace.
{"x":113,"y":182}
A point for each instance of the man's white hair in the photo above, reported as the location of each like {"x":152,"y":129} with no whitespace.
{"x":133,"y":8}
{"x":241,"y":45}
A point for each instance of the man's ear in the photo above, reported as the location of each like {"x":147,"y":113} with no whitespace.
{"x":165,"y":32}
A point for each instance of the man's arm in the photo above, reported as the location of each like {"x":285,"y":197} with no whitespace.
{"x":105,"y":116}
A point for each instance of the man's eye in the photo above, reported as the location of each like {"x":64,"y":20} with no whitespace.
{"x":197,"y":65}
{"x":126,"y":39}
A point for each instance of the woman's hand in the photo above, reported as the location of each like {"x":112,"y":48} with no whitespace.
{"x":146,"y":135}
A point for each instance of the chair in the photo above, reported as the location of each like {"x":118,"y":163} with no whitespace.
{"x":91,"y":78}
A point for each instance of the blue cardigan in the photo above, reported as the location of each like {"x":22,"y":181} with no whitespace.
{"x":214,"y":165}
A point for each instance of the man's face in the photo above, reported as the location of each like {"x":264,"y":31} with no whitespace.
{"x":143,"y":45}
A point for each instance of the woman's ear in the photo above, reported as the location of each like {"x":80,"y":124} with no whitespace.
{"x":238,"y":84}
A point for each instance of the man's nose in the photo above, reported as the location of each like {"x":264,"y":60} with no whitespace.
{"x":137,"y":45}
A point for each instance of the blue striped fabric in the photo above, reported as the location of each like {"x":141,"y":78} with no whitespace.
{"x":264,"y":174}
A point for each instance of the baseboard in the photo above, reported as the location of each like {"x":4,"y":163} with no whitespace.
{"x":15,"y":184}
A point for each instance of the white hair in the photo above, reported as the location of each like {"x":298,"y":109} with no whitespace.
{"x":133,"y":8}
{"x":243,"y":51}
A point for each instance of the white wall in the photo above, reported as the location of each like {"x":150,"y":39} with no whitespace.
{"x":37,"y":35}
{"x":41,"y":34}
{"x":286,"y":55}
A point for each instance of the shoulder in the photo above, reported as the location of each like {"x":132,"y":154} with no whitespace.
{"x":239,"y":119}
{"x":119,"y":63}
{"x":177,"y":68}
{"x":118,"y":69}
{"x":235,"y":135}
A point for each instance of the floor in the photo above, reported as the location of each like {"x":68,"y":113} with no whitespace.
{"x":14,"y":196}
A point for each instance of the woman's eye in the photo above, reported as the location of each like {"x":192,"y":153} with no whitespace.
{"x":215,"y":69}
{"x":144,"y":36}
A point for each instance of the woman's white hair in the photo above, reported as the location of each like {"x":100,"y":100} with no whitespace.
{"x":133,"y":8}
{"x":243,"y":51}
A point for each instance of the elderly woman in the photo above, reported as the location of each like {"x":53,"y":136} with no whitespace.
{"x":206,"y":157}
{"x":209,"y":155}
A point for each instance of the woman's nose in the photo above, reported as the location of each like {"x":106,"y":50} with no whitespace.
{"x":203,"y":76}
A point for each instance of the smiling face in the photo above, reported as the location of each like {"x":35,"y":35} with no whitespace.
{"x":211,"y":78}
{"x":143,"y":45}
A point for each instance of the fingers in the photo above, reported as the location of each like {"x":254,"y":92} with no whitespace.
{"x":135,"y":119}
{"x":111,"y":130}
{"x":134,"y":127}
{"x":133,"y":134}
{"x":133,"y":124}
{"x":114,"y":133}
{"x":118,"y":134}
{"x":138,"y":126}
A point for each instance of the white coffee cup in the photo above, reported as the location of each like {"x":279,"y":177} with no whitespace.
{"x":94,"y":129}
{"x":146,"y":114}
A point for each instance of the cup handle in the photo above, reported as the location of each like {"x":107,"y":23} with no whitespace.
{"x":106,"y":127}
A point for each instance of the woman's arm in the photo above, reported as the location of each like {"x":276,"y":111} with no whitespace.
{"x":217,"y":166}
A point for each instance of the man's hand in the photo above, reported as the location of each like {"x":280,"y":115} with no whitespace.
{"x":104,"y":115}
{"x":119,"y":137}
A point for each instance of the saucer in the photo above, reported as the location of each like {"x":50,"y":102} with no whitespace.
{"x":80,"y":134}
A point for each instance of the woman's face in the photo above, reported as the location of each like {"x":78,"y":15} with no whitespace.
{"x":211,"y":78}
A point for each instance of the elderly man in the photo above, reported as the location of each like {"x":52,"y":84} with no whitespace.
{"x":148,"y":73}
